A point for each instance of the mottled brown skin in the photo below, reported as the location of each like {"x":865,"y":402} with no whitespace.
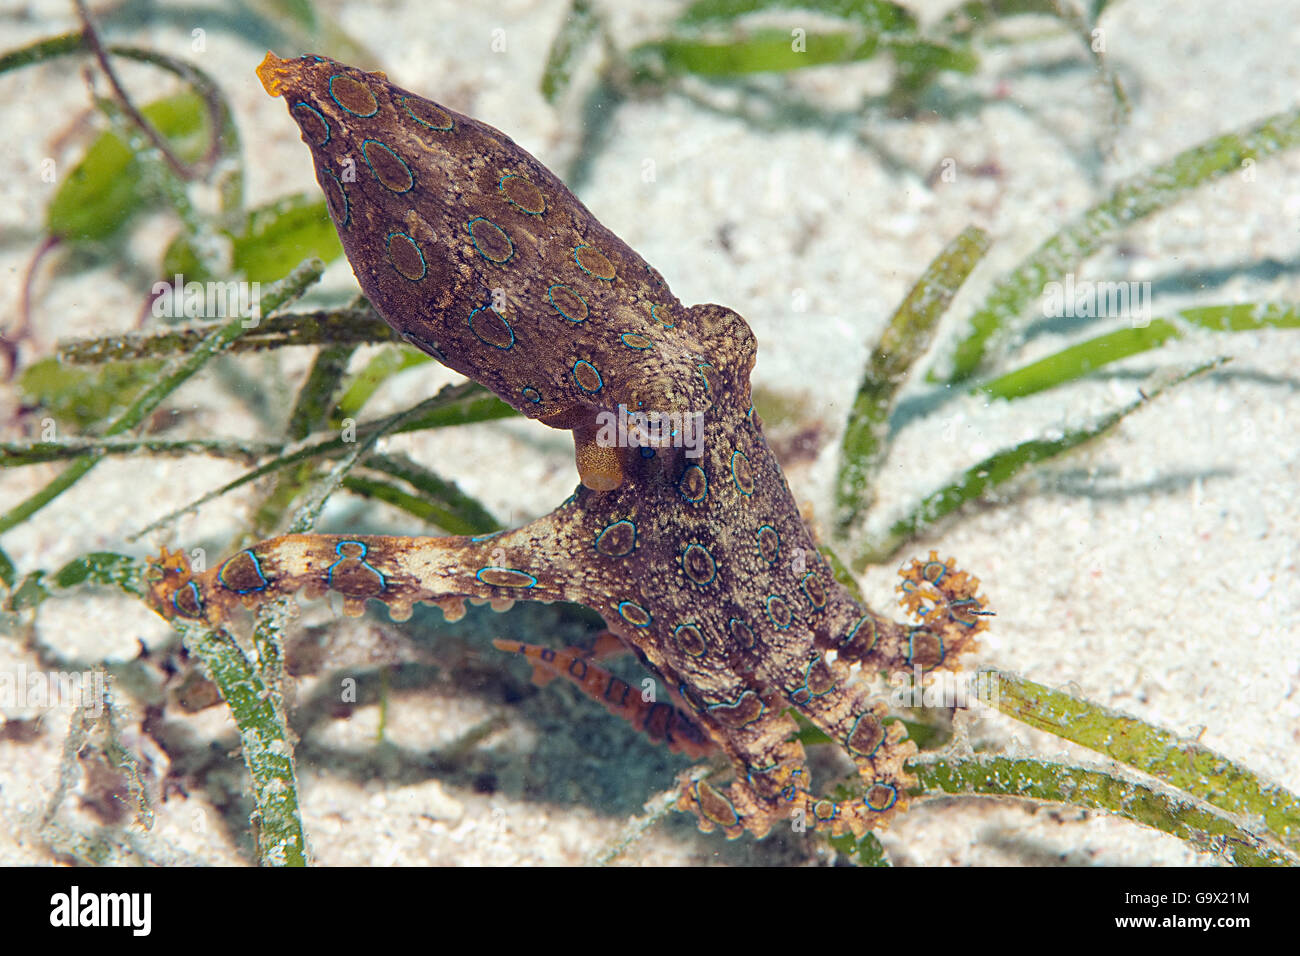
{"x":702,"y":566}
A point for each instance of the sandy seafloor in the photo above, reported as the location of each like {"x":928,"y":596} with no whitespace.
{"x":1153,"y":572}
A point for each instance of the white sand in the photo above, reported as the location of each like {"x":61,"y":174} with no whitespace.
{"x":1151,"y":573}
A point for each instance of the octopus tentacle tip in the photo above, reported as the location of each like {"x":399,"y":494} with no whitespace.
{"x":272,"y":71}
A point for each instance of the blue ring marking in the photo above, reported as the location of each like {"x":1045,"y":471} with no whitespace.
{"x":486,"y":537}
{"x":478,"y":575}
{"x":551,"y":297}
{"x":757,"y":536}
{"x":623,"y":614}
{"x":762,"y":707}
{"x":469,"y":227}
{"x":854,"y":730}
{"x":911,"y":647}
{"x":911,"y":587}
{"x":688,"y":695}
{"x":501,"y":188}
{"x":347,"y":203}
{"x":257,"y":566}
{"x":320,"y":116}
{"x":451,"y":123}
{"x":772,"y":617}
{"x":943,"y":569}
{"x":700,"y":371}
{"x":610,"y":527}
{"x":198,"y":600}
{"x":807,"y":673}
{"x":731,"y":629}
{"x":712,"y":564}
{"x":503,"y":348}
{"x":532,"y":394}
{"x":344,"y":108}
{"x":893,"y":797}
{"x":703,"y":494}
{"x":803,"y":583}
{"x":734,"y":478}
{"x":695,"y":787}
{"x":647,"y":451}
{"x":875,"y":636}
{"x":599,"y":379}
{"x":967,"y":602}
{"x":703,"y":650}
{"x":636,"y":348}
{"x":424,"y":266}
{"x":666,"y":325}
{"x":338,"y":549}
{"x":392,"y":153}
{"x":750,"y":771}
{"x":587,"y":245}
{"x":835,"y":810}
{"x":789,"y":791}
